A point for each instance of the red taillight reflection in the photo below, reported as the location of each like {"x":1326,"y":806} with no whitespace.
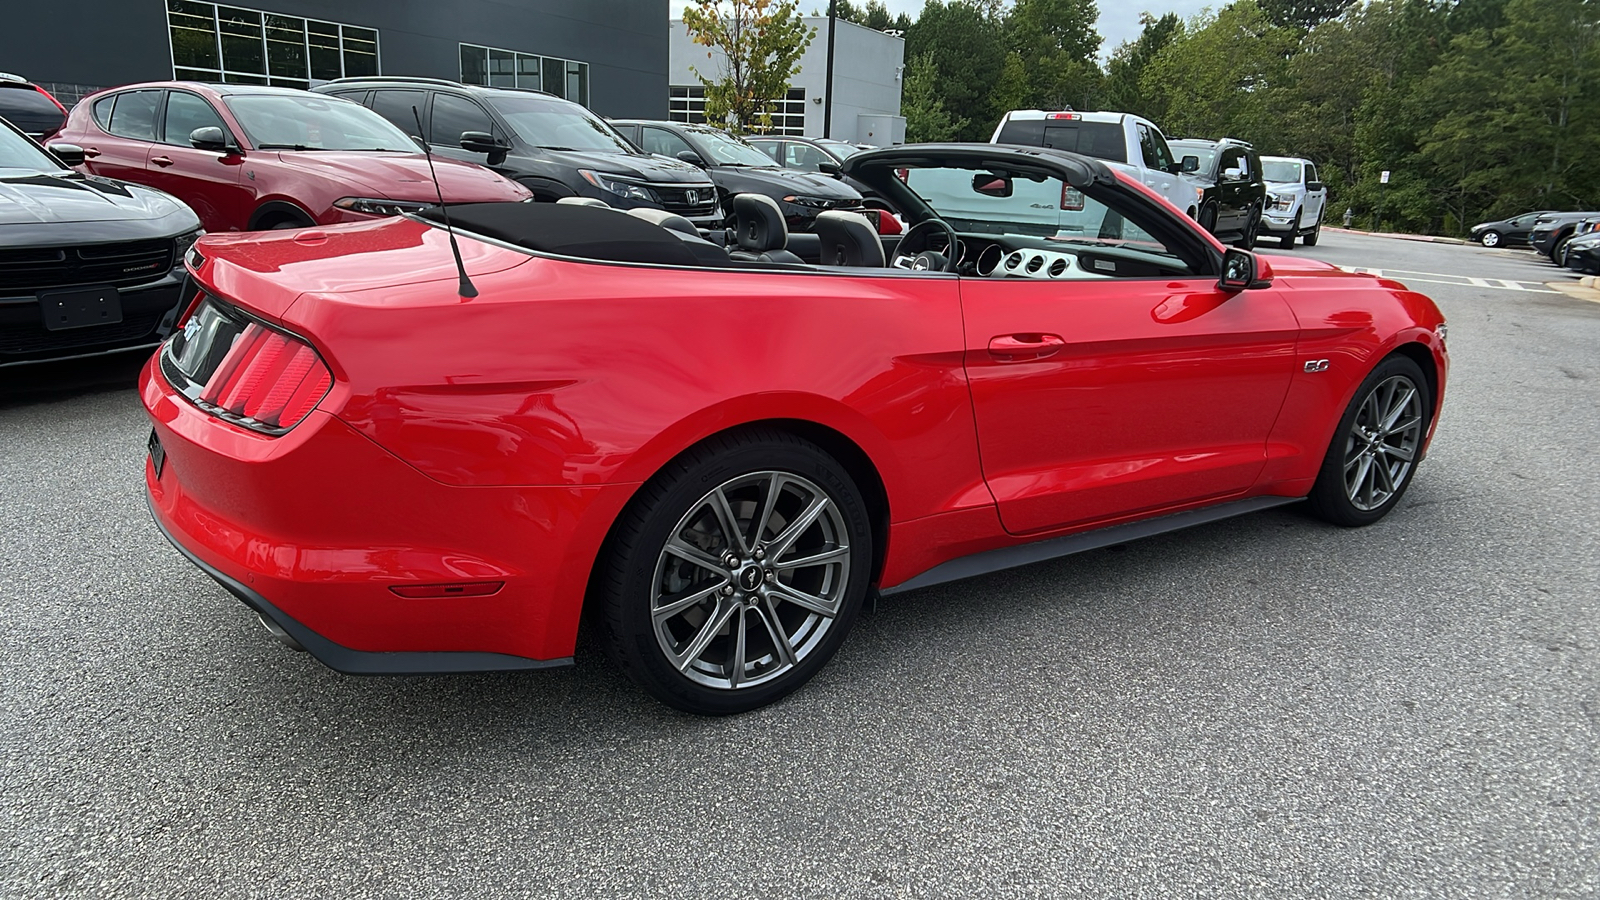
{"x":268,"y":379}
{"x":1071,"y":198}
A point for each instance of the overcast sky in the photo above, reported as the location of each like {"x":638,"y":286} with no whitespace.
{"x":1119,"y":19}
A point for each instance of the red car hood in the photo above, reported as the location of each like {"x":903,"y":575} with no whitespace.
{"x":404,"y":176}
{"x":267,"y":271}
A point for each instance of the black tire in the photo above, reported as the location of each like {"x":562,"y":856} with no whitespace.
{"x":1252,"y":224}
{"x":1310,"y":239}
{"x":674,"y":505}
{"x":1208,"y":217}
{"x":1490,"y":238}
{"x":1558,"y":254}
{"x":1331,"y":497}
{"x":1287,"y":241}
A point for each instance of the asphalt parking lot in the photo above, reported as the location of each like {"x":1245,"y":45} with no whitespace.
{"x":1265,"y":707}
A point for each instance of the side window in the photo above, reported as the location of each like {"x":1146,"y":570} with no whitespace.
{"x":185,"y":113}
{"x":773,"y":149}
{"x":396,"y":107}
{"x":1232,"y":159}
{"x":102,"y":111}
{"x":1311,"y":173}
{"x":1163,"y":157}
{"x":135,"y":115}
{"x":1147,"y":147}
{"x":453,"y":115}
{"x":804,"y":157}
{"x":1245,"y":166}
{"x":656,"y":140}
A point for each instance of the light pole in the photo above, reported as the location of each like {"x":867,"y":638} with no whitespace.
{"x":827,"y":89}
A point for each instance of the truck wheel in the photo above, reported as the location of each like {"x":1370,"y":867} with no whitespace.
{"x":1310,"y":240}
{"x":1287,"y":242}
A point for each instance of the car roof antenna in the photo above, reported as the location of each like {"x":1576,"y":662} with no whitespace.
{"x":466,"y":289}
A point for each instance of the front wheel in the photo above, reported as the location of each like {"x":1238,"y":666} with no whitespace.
{"x":1252,"y":224}
{"x":1287,"y":241}
{"x":1377,"y":446}
{"x":736,"y":573}
{"x":1491,"y":238}
{"x":1310,"y":240}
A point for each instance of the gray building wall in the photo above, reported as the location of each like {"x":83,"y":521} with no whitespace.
{"x":104,"y":43}
{"x":868,"y":70}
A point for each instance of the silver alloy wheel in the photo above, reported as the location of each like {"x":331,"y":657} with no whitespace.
{"x":750,"y":580}
{"x":1383,"y":442}
{"x":1491,"y":239}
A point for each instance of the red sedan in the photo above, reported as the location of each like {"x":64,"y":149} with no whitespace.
{"x":719,"y":451}
{"x":248,"y":158}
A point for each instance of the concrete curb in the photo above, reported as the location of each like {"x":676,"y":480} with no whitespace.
{"x":1424,"y":238}
{"x":1585,"y":288}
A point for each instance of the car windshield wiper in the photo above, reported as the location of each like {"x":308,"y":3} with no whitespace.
{"x":287,"y":147}
{"x":554,"y":147}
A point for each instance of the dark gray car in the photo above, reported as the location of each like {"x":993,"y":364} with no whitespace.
{"x":554,"y":147}
{"x":1507,"y":232}
{"x":87,"y":265}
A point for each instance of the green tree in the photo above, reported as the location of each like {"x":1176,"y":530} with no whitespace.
{"x":1055,"y":43}
{"x":1216,"y":80}
{"x":966,"y":42}
{"x":1128,"y":62}
{"x":760,"y":42}
{"x":1302,"y":14}
{"x":922,"y":105}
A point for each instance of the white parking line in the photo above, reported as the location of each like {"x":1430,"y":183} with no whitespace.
{"x":1500,"y":284}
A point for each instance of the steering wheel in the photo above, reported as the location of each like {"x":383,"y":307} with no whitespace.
{"x":912,"y":252}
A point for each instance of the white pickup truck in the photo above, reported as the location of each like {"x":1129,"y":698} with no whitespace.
{"x":1122,"y":140}
{"x":1296,"y":200}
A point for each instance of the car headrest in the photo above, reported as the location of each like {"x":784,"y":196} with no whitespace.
{"x":668,"y":220}
{"x":848,"y":239}
{"x":584,"y":201}
{"x":759,"y":223}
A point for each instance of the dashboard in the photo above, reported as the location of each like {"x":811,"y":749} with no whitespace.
{"x":1035,"y":258}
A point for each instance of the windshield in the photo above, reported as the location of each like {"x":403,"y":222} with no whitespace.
{"x":1206,"y":152}
{"x":1280,"y":172}
{"x":839,"y":149}
{"x":1037,"y":207}
{"x":558,"y":125}
{"x":18,"y":155}
{"x":727,"y":150}
{"x":314,"y":122}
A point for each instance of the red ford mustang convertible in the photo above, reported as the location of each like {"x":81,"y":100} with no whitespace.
{"x":721,"y":447}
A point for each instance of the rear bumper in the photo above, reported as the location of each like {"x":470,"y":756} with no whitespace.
{"x":148,"y":313}
{"x":314,"y":528}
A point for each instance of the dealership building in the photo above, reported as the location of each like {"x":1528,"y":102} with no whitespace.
{"x":610,"y":55}
{"x":868,"y":68}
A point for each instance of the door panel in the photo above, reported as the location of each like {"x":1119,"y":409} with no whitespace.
{"x":208,"y":181}
{"x":1163,"y":392}
{"x":132,"y":129}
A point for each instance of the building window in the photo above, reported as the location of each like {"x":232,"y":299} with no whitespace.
{"x":688,"y":105}
{"x":213,"y":42}
{"x":508,"y":68}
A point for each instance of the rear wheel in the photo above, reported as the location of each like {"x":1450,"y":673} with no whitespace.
{"x":736,"y":573}
{"x":1377,"y":446}
{"x":1287,"y":242}
{"x":1310,"y":240}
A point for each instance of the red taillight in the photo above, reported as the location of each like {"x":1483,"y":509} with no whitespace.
{"x":1074,"y":117}
{"x":1071,"y":198}
{"x":443,"y":591}
{"x":268,"y":381}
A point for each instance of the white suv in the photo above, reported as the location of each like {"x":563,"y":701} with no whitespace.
{"x":1296,"y":200}
{"x":1121,"y":140}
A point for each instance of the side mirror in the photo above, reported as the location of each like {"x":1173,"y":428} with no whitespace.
{"x":830,"y":168}
{"x":991,"y":185}
{"x":692,"y":158}
{"x":69,"y":154}
{"x":1232,"y":174}
{"x":209,"y":138}
{"x":1191,"y":164}
{"x":482,"y":142}
{"x":1314,"y":185}
{"x":1243,"y":271}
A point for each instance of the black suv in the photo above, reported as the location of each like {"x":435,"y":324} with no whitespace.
{"x":1228,"y":187}
{"x":739,"y":168}
{"x":554,"y":147}
{"x":30,"y":107}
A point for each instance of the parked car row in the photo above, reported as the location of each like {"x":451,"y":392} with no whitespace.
{"x":1233,"y":192}
{"x":1552,"y":233}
